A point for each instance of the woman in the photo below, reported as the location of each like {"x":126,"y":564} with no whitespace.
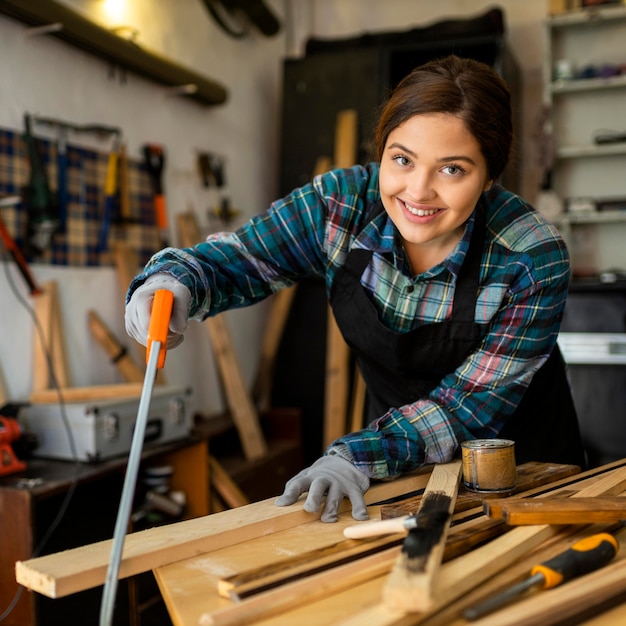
{"x":449,"y":289}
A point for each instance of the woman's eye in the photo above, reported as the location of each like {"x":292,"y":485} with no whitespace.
{"x":453,"y":170}
{"x":401,"y":160}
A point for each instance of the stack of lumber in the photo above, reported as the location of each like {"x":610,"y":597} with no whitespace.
{"x":260,"y":564}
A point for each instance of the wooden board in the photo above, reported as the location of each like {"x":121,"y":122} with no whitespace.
{"x":68,"y":572}
{"x":49,"y":344}
{"x":337,"y":383}
{"x":519,"y":511}
{"x":190,"y":589}
{"x":411,"y":584}
{"x":529,"y":475}
{"x":239,"y":400}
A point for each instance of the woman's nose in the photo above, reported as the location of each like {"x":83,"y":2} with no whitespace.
{"x":420,"y":186}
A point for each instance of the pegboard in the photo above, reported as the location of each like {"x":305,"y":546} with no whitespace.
{"x":77,"y":242}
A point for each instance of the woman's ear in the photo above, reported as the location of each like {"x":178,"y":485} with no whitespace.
{"x":488,"y":185}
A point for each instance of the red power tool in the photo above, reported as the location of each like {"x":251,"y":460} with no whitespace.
{"x":9,"y":431}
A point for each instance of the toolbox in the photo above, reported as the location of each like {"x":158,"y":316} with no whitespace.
{"x":102,"y":430}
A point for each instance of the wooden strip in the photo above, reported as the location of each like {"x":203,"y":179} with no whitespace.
{"x":123,"y":362}
{"x":463,"y":574}
{"x":277,"y":318}
{"x":519,"y":511}
{"x":358,"y":401}
{"x":225,"y":485}
{"x":296,"y":593}
{"x":284,"y":571}
{"x":71,"y":571}
{"x":411,"y":583}
{"x":87,"y":394}
{"x":529,"y":475}
{"x":43,"y":333}
{"x":470,"y":528}
{"x":336,"y":388}
{"x":239,"y":400}
{"x":57,"y":341}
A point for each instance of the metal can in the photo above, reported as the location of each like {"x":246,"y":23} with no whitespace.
{"x":489,"y":465}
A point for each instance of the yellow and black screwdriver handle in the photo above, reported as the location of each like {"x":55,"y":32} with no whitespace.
{"x":584,"y":556}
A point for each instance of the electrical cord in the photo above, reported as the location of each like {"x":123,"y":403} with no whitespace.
{"x":55,"y":384}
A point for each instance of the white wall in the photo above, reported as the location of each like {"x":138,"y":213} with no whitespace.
{"x":47,"y":77}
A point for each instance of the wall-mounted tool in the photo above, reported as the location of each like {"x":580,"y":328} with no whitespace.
{"x":43,"y":213}
{"x":9,"y":431}
{"x":15,"y":252}
{"x":110,"y":191}
{"x":585,"y":556}
{"x":154,"y":158}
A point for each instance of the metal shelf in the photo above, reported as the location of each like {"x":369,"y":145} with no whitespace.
{"x":596,"y":217}
{"x":84,"y":34}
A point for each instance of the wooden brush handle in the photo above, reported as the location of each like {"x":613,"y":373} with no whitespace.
{"x":372,"y":529}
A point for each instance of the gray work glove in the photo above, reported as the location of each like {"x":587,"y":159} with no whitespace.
{"x":331,"y":476}
{"x":139,"y":308}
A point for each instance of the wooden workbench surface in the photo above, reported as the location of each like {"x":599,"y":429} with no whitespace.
{"x":190,"y":586}
{"x":261,"y":564}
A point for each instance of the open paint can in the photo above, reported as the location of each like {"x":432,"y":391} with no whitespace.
{"x":489,"y":465}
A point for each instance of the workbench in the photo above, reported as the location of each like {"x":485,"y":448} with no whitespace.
{"x":31,"y":499}
{"x":289,"y":568}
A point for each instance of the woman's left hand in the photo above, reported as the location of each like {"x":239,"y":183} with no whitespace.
{"x":331,"y":476}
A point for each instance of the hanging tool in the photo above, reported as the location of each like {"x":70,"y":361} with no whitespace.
{"x":110,"y":190}
{"x":585,"y":556}
{"x":16,"y":253}
{"x":154,"y":157}
{"x":155,"y":356}
{"x":9,"y":432}
{"x":43,"y":215}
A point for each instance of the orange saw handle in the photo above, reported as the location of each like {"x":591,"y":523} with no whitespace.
{"x":160,"y":322}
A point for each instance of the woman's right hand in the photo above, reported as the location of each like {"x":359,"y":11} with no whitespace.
{"x":139,"y":308}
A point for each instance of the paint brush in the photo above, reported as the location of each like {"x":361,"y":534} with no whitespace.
{"x":411,"y":583}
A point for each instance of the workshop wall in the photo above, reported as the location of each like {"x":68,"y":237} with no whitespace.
{"x":44,"y":76}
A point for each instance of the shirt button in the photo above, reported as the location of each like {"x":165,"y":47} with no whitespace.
{"x":410,"y":289}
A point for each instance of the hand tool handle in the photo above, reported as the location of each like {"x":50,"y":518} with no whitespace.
{"x":159,"y":323}
{"x":373,"y":529}
{"x":19,"y":259}
{"x":583,"y":557}
{"x":586,"y":555}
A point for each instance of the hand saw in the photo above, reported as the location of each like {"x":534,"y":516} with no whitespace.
{"x":155,"y":357}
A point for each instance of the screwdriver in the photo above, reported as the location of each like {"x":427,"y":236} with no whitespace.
{"x":584,"y":556}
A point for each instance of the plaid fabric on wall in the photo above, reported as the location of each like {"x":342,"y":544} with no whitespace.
{"x":79,"y":239}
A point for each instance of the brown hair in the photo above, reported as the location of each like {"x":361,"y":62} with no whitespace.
{"x":469,"y":89}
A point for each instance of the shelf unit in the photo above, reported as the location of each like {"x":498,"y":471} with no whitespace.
{"x":68,"y":25}
{"x":579,"y":109}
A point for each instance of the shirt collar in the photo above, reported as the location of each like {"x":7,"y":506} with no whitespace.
{"x":381,"y":237}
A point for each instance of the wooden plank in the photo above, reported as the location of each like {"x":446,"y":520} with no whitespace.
{"x":411,"y":583}
{"x":49,"y":344}
{"x":337,"y":387}
{"x":239,"y":400}
{"x":277,"y":318}
{"x":299,"y":592}
{"x":529,"y":475}
{"x":467,"y":572}
{"x":518,"y":511}
{"x":75,"y":570}
{"x":225,"y":485}
{"x":87,"y":394}
{"x":116,"y":351}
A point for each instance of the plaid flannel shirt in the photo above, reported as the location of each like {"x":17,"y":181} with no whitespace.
{"x":523,"y":287}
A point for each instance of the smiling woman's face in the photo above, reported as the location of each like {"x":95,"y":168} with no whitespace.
{"x":432,"y":174}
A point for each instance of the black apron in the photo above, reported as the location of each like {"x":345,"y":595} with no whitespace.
{"x":400,"y":368}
